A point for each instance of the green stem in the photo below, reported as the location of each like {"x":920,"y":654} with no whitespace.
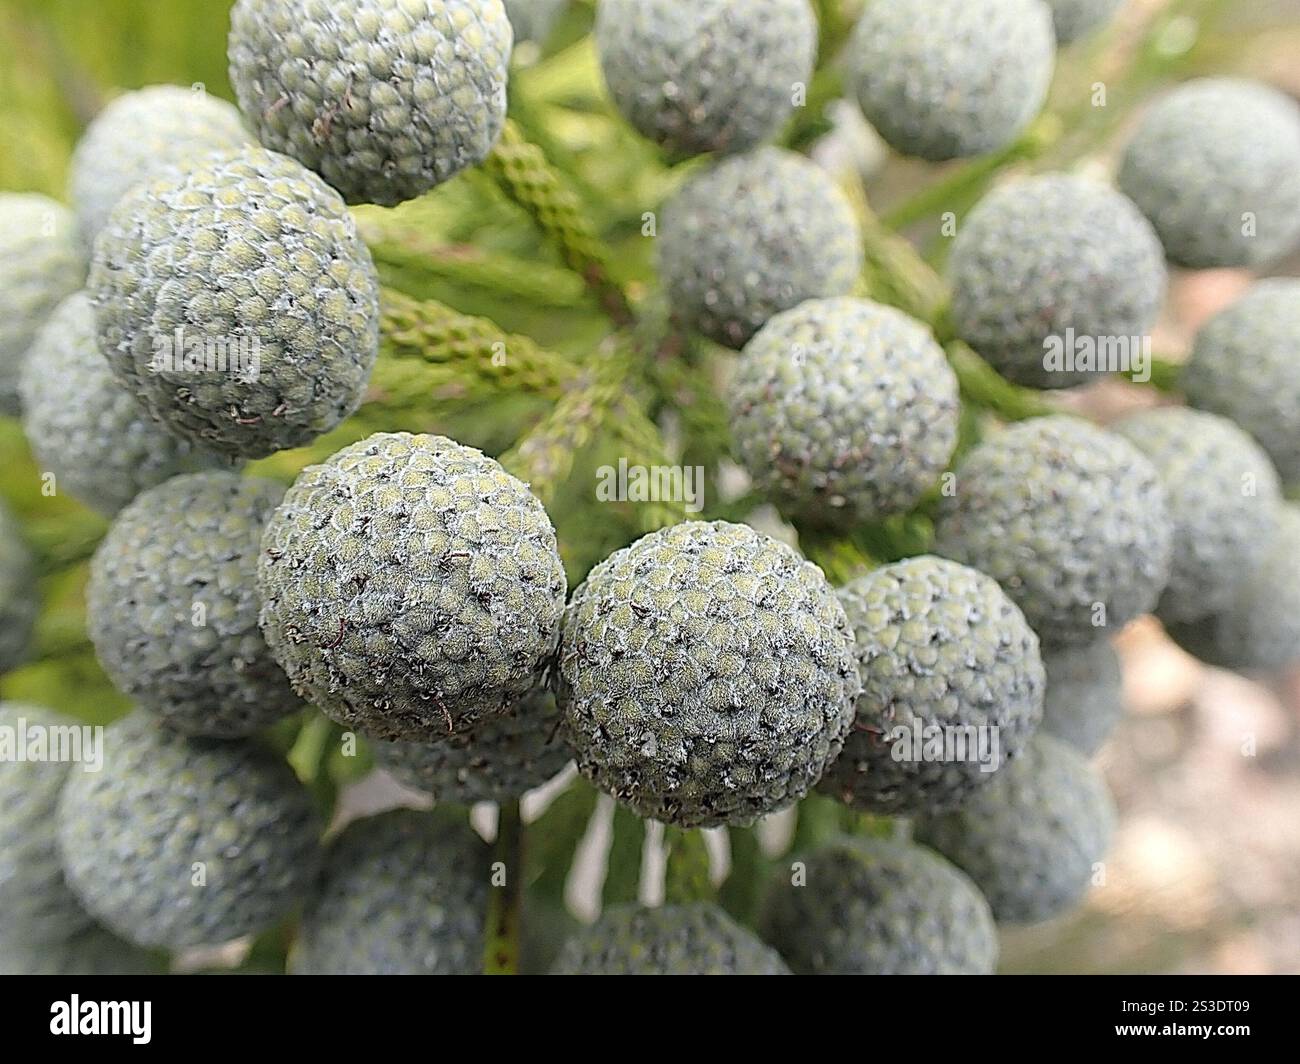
{"x":503,"y":926}
{"x":983,"y":386}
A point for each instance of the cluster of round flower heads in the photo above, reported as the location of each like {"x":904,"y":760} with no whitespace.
{"x":708,"y":674}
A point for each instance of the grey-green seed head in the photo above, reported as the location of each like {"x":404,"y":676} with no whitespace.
{"x":40,"y":264}
{"x":171,"y":606}
{"x":181,"y":842}
{"x":706,"y":75}
{"x":1223,"y":494}
{"x":402,"y":893}
{"x":949,"y":667}
{"x":411,"y":587}
{"x":1071,"y":521}
{"x":235,"y":299}
{"x":696,"y":939}
{"x":19,"y":596}
{"x":39,"y":908}
{"x":534,"y":20}
{"x":85,"y":428}
{"x":1085,"y":695}
{"x":1056,"y":265}
{"x":1245,"y":365}
{"x":1074,"y":19}
{"x":1215,"y":165}
{"x":1260,"y":629}
{"x":137,"y":135}
{"x":1031,"y":840}
{"x":383,"y":98}
{"x":706,"y":675}
{"x":498,"y":760}
{"x":877,"y":907}
{"x":844,"y":410}
{"x":753,"y":236}
{"x":942,"y":79}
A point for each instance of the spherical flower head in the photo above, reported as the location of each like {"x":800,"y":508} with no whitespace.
{"x":695,"y":939}
{"x":1085,"y":695}
{"x":364,"y":918}
{"x":171,"y":606}
{"x":101,"y":446}
{"x":179,"y":842}
{"x":235,"y":299}
{"x":880,"y":907}
{"x":19,"y":594}
{"x":1215,"y":165}
{"x":952,"y":687}
{"x":383,"y":98}
{"x":1033,"y":840}
{"x":1055,"y":278}
{"x":411,"y":587}
{"x":138,"y":134}
{"x":706,"y":675}
{"x":844,"y":410}
{"x":1071,"y":520}
{"x":1075,"y":19}
{"x":753,"y":236}
{"x":944,"y":79}
{"x":706,"y":75}
{"x":1223,"y":495}
{"x":498,"y":760}
{"x":1245,"y":365}
{"x":41,"y":263}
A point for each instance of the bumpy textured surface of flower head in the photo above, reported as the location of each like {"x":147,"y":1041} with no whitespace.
{"x":402,"y":893}
{"x":844,"y":410}
{"x":85,"y":428}
{"x":1223,"y":495}
{"x":138,"y":134}
{"x":164,"y":808}
{"x":706,"y":675}
{"x":383,"y":98}
{"x":939,"y":646}
{"x":878,"y":907}
{"x":39,"y":908}
{"x":1215,"y":165}
{"x":1052,"y":268}
{"x":706,"y":75}
{"x":171,"y":606}
{"x":1260,"y":629}
{"x":1071,"y":520}
{"x":696,"y":939}
{"x":234,"y":298}
{"x":1074,"y":19}
{"x":411,"y":586}
{"x":498,"y":760}
{"x":1085,"y":695}
{"x":753,"y":236}
{"x":19,"y":599}
{"x":1031,"y":839}
{"x":40,"y":265}
{"x":942,"y":79}
{"x":1245,"y":365}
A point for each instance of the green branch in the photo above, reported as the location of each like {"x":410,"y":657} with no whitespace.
{"x":520,"y":169}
